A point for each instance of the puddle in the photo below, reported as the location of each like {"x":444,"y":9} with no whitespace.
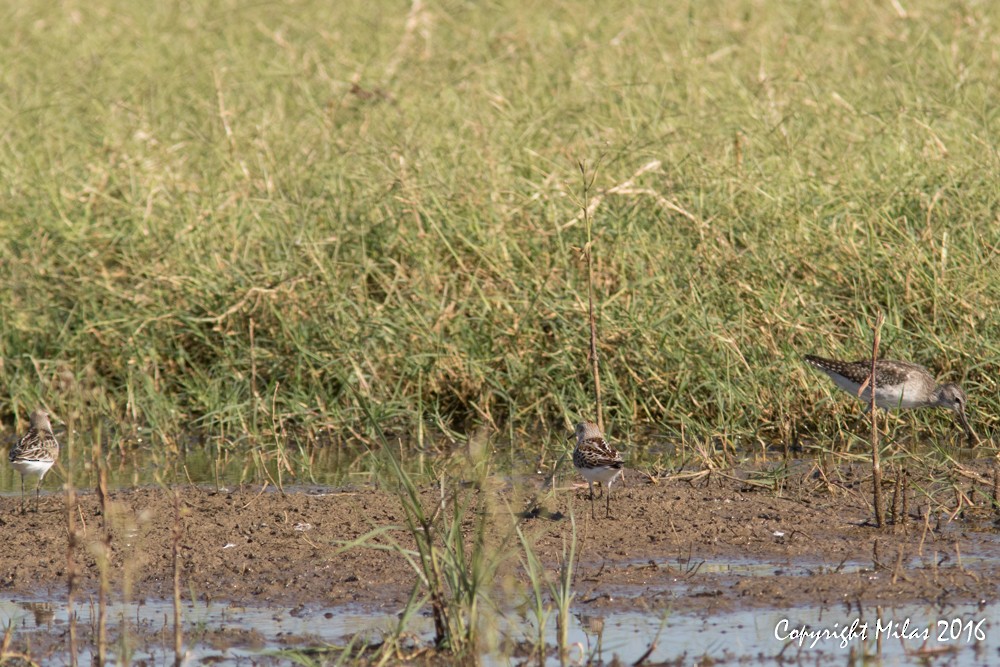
{"x":982,"y":552}
{"x":329,"y":468}
{"x":756,"y":568}
{"x":236,"y":635}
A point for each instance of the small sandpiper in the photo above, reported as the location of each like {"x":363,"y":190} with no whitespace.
{"x":596,"y":460}
{"x":36,"y":452}
{"x":898,"y":385}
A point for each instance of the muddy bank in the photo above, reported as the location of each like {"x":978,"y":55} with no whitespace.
{"x":701,"y":544}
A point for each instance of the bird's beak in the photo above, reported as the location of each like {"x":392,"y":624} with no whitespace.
{"x":973,"y":439}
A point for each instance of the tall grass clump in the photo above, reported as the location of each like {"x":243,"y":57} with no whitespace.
{"x":248,"y":219}
{"x":455,"y":564}
{"x":560,"y":592}
{"x":455,"y":578}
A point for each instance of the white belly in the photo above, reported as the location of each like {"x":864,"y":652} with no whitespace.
{"x":600,"y":475}
{"x":32,"y":467}
{"x":887,"y":398}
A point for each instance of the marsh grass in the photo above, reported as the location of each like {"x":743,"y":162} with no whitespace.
{"x":454,"y":563}
{"x":560,"y":591}
{"x":459,"y":569}
{"x":244,"y":219}
{"x":459,"y":549}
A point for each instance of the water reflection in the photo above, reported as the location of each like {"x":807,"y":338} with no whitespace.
{"x":324,"y":466}
{"x":225,"y":634}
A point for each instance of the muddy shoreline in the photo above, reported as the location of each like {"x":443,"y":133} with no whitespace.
{"x":701,"y":545}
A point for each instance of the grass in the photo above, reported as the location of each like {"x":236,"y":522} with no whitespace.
{"x":560,"y":592}
{"x":462,"y":573}
{"x":246,"y":218}
{"x":454,"y":576}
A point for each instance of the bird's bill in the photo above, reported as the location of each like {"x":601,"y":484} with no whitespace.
{"x":973,"y":439}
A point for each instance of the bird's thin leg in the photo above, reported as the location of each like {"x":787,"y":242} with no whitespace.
{"x":23,"y":505}
{"x":608,"y":502}
{"x":37,"y":487}
{"x":591,"y":485}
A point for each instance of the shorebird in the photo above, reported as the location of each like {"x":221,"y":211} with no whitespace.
{"x":898,"y":385}
{"x":36,"y":452}
{"x":596,"y":460}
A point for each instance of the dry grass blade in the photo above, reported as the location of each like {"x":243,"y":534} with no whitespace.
{"x":588,"y":252}
{"x":873,"y":412}
{"x":72,"y":540}
{"x":178,"y":533}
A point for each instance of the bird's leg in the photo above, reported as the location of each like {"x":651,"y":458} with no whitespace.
{"x":37,"y":487}
{"x":23,"y":506}
{"x":607,"y":504}
{"x":971,"y":435}
{"x":591,"y":485}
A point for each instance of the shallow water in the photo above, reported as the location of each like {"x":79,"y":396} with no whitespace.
{"x":985,"y":552}
{"x":139,"y":468}
{"x":963,"y":635}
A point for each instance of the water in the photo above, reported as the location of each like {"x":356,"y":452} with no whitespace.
{"x":223,"y":634}
{"x":328,"y":467}
{"x":983,"y":551}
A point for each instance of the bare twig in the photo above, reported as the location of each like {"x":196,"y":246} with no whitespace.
{"x":104,"y":547}
{"x":897,"y":493}
{"x":876,"y":464}
{"x":588,"y":252}
{"x":178,"y":532}
{"x":996,"y":488}
{"x":254,"y":397}
{"x":71,"y":544}
{"x":904,"y":516}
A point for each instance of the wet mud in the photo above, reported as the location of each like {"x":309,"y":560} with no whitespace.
{"x":691,"y":543}
{"x":682,"y":538}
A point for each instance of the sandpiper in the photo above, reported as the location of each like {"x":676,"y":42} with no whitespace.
{"x":36,"y":452}
{"x":898,"y":385}
{"x":596,"y":460}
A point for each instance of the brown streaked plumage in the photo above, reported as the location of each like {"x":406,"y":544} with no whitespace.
{"x":898,"y":385}
{"x":596,"y":460}
{"x":35,"y":453}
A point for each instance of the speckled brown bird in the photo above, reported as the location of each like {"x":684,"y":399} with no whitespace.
{"x":596,"y":460}
{"x":35,"y":453}
{"x":898,"y":385}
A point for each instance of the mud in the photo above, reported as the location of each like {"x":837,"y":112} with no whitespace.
{"x":693,"y":543}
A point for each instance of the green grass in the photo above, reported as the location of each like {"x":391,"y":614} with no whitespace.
{"x":392,"y":209}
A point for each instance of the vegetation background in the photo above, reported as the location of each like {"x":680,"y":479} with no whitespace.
{"x":276,"y":218}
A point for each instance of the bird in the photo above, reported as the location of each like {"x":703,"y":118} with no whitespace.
{"x":596,"y":460}
{"x":898,"y":385}
{"x":36,"y":452}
